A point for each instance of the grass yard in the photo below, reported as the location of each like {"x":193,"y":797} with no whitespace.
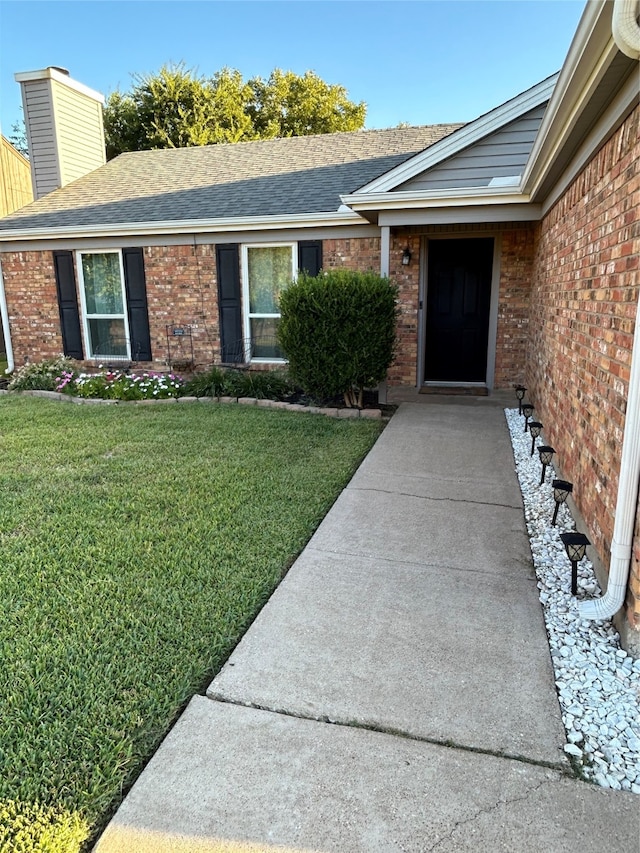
{"x":137,"y":543}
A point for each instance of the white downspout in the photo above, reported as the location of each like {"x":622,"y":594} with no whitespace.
{"x":627,"y":501}
{"x":625,"y":28}
{"x":4,"y":317}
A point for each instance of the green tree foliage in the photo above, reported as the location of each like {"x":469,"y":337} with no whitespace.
{"x":176,"y":108}
{"x":338,"y":332}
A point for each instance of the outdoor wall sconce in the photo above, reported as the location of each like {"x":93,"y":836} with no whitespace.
{"x":546,"y":454}
{"x":406,"y":257}
{"x":561,"y":491}
{"x":527,"y":411}
{"x":575,"y":545}
{"x":520,"y":391}
{"x":535,"y":428}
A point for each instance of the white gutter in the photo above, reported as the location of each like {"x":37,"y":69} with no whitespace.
{"x":626,"y":31}
{"x":184,"y":226}
{"x":4,"y":316}
{"x":627,"y":501}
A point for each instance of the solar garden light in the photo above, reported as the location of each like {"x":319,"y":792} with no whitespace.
{"x":546,"y":454}
{"x":561,"y":491}
{"x":535,"y":428}
{"x":527,"y":411}
{"x":575,"y":545}
{"x":520,"y":391}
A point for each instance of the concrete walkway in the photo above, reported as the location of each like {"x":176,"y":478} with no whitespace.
{"x":396,"y":692}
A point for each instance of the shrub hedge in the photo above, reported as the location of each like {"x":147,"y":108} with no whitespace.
{"x":338,"y":332}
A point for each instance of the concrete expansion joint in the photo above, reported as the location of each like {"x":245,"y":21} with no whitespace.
{"x":396,"y":561}
{"x":431,"y":498}
{"x":563,"y":769}
{"x":488,"y":809}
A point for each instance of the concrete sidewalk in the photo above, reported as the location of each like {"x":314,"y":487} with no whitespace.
{"x":396,"y":692}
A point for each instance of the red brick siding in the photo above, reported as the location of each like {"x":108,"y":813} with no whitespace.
{"x":32,"y":305}
{"x":516,"y":267}
{"x":352,"y":254}
{"x":404,"y":370}
{"x":182,"y":290}
{"x":581,"y":326}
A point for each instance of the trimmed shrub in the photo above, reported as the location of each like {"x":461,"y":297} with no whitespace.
{"x":34,"y":828}
{"x":338,"y":332}
{"x":42,"y":376}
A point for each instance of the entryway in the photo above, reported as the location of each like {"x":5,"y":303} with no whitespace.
{"x":458,"y":302}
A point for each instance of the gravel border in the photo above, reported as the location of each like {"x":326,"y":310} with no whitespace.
{"x":598,"y":683}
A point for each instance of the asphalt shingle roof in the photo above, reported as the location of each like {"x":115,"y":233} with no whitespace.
{"x":297,"y":175}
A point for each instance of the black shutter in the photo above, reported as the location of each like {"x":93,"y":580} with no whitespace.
{"x":136,"y":290}
{"x":68,"y":304}
{"x":229,"y":302}
{"x":310,"y":256}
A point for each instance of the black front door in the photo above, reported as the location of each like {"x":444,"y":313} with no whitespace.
{"x":458,"y":302}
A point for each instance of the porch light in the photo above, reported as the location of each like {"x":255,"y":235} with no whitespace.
{"x":535,"y":428}
{"x":406,"y":257}
{"x":520,"y":392}
{"x":546,"y":454}
{"x":561,"y":491}
{"x":575,"y":545}
{"x":527,"y":411}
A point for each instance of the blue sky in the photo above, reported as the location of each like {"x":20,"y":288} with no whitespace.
{"x":419,"y":61}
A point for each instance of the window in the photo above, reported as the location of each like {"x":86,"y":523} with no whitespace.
{"x":102,"y":296}
{"x":266,"y":270}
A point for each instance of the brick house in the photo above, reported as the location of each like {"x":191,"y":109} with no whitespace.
{"x":514,"y":240}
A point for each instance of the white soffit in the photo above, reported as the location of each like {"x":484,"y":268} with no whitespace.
{"x":463,"y":138}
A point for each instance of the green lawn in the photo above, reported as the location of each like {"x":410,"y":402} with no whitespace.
{"x":137,"y":543}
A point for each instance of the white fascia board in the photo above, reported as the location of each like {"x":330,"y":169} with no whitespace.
{"x":186,"y":226}
{"x":464,"y":137}
{"x":52,"y":73}
{"x":457,"y":197}
{"x":589,"y":56}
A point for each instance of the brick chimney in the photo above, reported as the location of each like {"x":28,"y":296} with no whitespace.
{"x":65,"y":133}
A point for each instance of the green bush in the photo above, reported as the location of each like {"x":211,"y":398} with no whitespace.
{"x":43,"y":375}
{"x":338,"y":332}
{"x":207,"y":384}
{"x":262,"y":384}
{"x":32,"y":828}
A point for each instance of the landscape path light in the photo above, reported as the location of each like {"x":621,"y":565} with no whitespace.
{"x":546,"y":455}
{"x":576,"y":546}
{"x":520,"y":392}
{"x":527,"y":411}
{"x":535,"y":428}
{"x":561,"y":491}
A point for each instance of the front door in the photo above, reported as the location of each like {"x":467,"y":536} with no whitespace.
{"x":458,"y":303}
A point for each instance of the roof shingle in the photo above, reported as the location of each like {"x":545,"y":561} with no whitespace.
{"x":278,"y":177}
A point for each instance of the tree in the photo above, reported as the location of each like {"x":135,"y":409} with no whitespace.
{"x":18,"y":137}
{"x":176,"y":108}
{"x":289,"y":105}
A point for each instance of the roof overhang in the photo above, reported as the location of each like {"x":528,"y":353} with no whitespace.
{"x":377,"y":207}
{"x":189,"y":226}
{"x":592,"y":57}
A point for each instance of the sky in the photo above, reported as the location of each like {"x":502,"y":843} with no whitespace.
{"x":414,"y":61}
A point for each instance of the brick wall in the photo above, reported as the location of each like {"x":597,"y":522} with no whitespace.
{"x":581,"y":326}
{"x":32,"y":303}
{"x":516,"y":266}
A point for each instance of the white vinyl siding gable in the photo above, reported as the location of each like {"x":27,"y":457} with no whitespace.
{"x":501,"y":154}
{"x":45,"y":167}
{"x":78,"y":123}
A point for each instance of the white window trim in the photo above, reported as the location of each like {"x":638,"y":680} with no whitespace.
{"x":246,"y":316}
{"x":83,"y":306}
